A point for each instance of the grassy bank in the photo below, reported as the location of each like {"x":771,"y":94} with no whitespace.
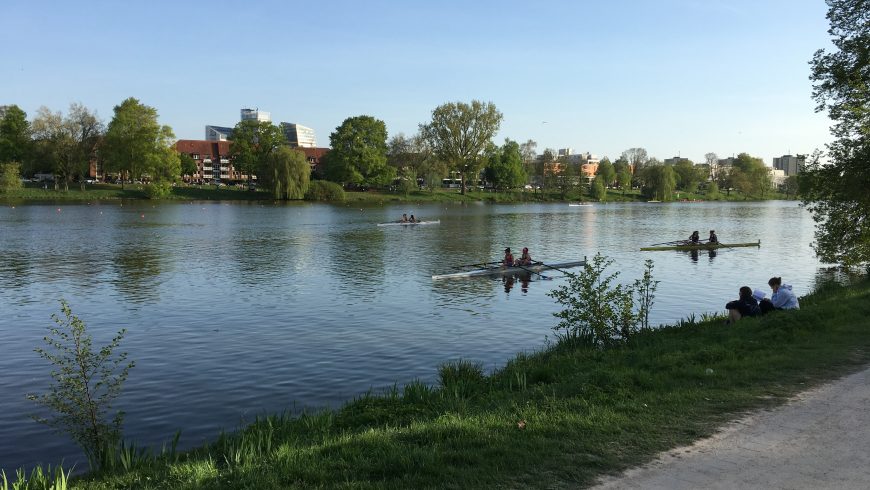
{"x":98,"y":192}
{"x":559,"y":417}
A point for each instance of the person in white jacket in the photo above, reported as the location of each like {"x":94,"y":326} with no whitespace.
{"x":782,"y":298}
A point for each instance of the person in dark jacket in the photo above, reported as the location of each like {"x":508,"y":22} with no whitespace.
{"x":746,"y":305}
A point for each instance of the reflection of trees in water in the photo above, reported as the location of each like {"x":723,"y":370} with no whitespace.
{"x":262,"y":259}
{"x":137,"y":271}
{"x":357,"y":257}
{"x":14,"y":270}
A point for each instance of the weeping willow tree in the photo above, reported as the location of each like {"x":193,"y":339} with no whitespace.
{"x":287,"y":174}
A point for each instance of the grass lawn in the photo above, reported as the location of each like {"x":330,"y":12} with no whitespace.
{"x":556,"y":418}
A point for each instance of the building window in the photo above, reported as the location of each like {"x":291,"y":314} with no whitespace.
{"x":195,"y":156}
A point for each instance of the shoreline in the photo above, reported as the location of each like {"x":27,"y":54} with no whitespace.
{"x":563,"y":415}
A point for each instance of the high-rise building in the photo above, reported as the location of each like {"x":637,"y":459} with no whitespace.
{"x":218,"y":133}
{"x":791,"y":165}
{"x":298,"y":136}
{"x":256,"y":115}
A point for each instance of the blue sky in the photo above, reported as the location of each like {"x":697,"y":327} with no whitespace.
{"x":675,"y":77}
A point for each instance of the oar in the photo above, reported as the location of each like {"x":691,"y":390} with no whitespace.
{"x":675,"y":242}
{"x":478,"y":264}
{"x":563,"y":271}
{"x":534,"y":272}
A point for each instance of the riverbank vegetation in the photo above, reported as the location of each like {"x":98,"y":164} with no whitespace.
{"x":562,"y":416}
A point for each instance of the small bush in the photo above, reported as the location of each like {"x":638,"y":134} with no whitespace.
{"x":322,"y":190}
{"x":158,"y":190}
{"x":10,"y":177}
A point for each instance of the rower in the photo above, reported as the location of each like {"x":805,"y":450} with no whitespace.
{"x":404,"y":218}
{"x":713,"y":237}
{"x":695,"y":238}
{"x":412,"y":219}
{"x":524,"y":259}
{"x":508,"y":258}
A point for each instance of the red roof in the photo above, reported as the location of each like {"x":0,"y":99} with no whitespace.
{"x":203,"y":147}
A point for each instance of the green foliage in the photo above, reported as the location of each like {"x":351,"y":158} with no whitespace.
{"x":39,"y":479}
{"x":286,"y":174}
{"x":505,"y":169}
{"x":597,"y":189}
{"x":835,"y":192}
{"x":136,"y":144}
{"x":461,"y":379}
{"x":68,"y":143}
{"x":750,"y":176}
{"x":158,"y":190}
{"x":252,"y":145}
{"x":14,"y":136}
{"x":407,"y":180}
{"x":712,"y":193}
{"x":597,"y":311}
{"x":459,"y":134}
{"x":359,"y":153}
{"x":188,"y":164}
{"x":86,"y":381}
{"x":607,"y":172}
{"x":322,"y":190}
{"x":659,"y":182}
{"x":688,"y":176}
{"x":10,"y":177}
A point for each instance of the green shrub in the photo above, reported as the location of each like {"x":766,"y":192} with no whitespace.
{"x":323,"y":190}
{"x":10,"y":177}
{"x":158,"y":190}
{"x":87,"y":380}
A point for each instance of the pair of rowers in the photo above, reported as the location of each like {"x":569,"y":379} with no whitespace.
{"x":509,"y":261}
{"x":406,"y":219}
{"x":695,"y":238}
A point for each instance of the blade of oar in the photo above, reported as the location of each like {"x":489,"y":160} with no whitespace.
{"x":476,"y":264}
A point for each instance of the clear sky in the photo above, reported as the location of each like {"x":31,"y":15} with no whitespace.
{"x":675,"y":77}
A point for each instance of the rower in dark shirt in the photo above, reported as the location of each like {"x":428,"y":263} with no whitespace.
{"x":695,"y":238}
{"x":713,"y":237}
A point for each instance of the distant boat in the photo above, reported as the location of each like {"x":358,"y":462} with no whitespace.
{"x":410,"y":223}
{"x":653,"y":200}
{"x":498,"y":269}
{"x":576,"y":204}
{"x":701,"y":246}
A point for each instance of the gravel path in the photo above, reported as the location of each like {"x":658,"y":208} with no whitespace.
{"x":818,"y":440}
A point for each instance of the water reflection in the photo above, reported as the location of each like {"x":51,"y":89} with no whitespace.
{"x":138,"y":268}
{"x":694,"y":255}
{"x":524,"y":278}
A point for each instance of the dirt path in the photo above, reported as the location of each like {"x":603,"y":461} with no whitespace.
{"x":819,"y":440}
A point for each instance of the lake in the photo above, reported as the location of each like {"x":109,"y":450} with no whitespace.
{"x":234,"y":310}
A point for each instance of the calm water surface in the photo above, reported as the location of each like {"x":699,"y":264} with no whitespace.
{"x":235,"y":310}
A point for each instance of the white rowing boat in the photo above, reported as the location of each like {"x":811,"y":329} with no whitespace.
{"x":495,"y":270}
{"x":578,"y":204}
{"x":410,"y":223}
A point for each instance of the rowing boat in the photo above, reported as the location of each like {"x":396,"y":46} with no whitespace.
{"x":409,"y":223}
{"x":702,"y":246}
{"x":578,"y":204}
{"x":496,"y":270}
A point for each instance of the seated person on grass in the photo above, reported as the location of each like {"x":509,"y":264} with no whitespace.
{"x":746,"y":305}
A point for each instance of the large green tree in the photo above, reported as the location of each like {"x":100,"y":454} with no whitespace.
{"x":606,"y":171}
{"x":286,"y":174}
{"x":14,"y":136}
{"x":137,"y":145}
{"x":688,"y":175}
{"x":505,"y":168}
{"x":359,"y":153}
{"x":660,"y":181}
{"x":835,"y":191}
{"x":750,"y":176}
{"x":459,"y":134}
{"x":252,"y":145}
{"x":68,"y":143}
